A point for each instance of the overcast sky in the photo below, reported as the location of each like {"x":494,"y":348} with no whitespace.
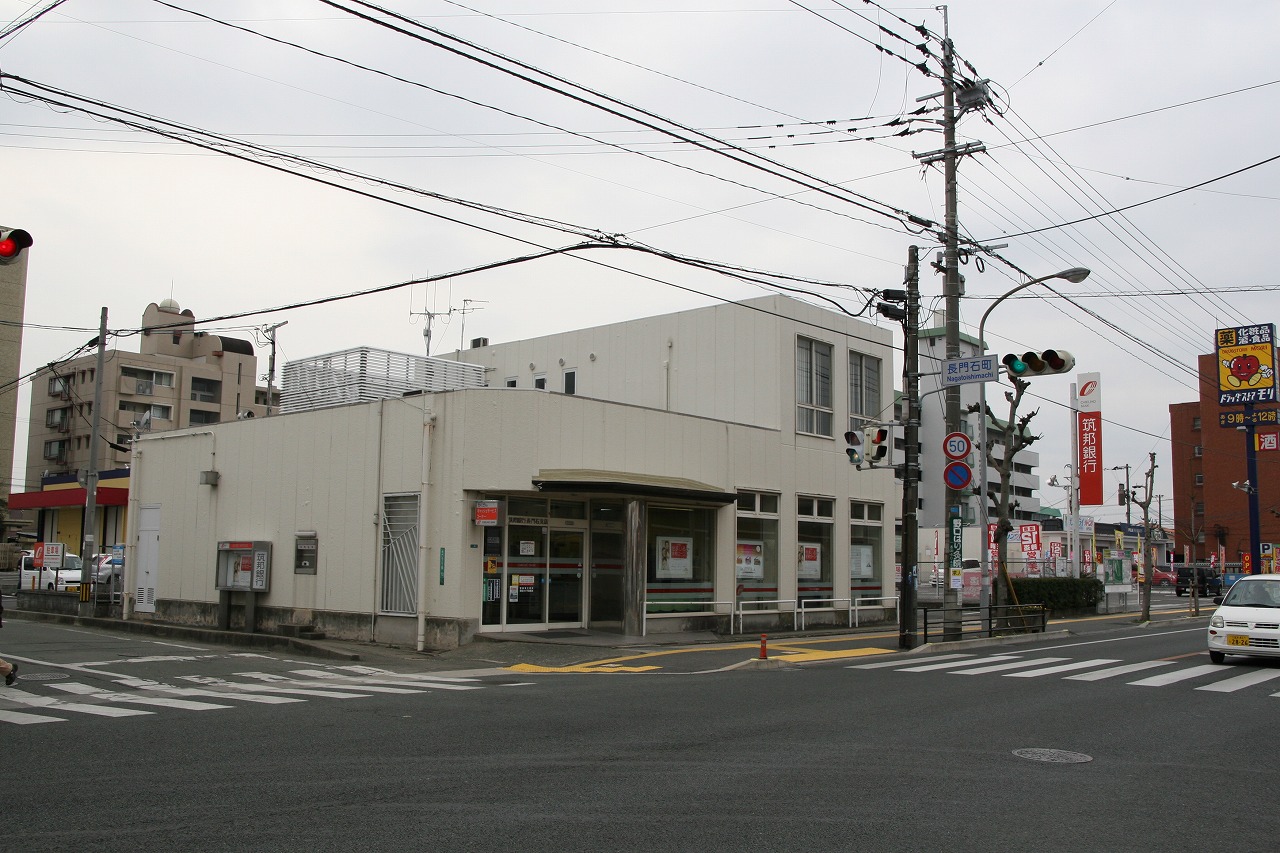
{"x":1166,"y":108}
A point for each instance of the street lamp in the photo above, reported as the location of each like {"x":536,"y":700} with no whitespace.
{"x":1075,"y":275}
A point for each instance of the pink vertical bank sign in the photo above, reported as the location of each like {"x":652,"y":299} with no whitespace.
{"x":1089,"y":439}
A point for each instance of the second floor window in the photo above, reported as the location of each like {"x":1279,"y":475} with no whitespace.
{"x":813,"y":387}
{"x":864,"y":387}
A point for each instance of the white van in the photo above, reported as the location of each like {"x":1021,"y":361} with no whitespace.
{"x":29,"y":577}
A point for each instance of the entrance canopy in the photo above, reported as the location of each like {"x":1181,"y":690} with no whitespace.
{"x":67,"y":497}
{"x":626,"y":483}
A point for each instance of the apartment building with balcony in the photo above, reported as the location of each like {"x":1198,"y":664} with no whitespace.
{"x":179,"y":377}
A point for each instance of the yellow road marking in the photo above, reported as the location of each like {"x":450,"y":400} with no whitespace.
{"x":837,"y":654}
{"x":581,"y":667}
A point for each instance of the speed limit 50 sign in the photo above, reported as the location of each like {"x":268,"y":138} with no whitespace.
{"x":957,"y":445}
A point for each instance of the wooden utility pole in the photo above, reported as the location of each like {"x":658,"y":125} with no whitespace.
{"x":1145,"y":543}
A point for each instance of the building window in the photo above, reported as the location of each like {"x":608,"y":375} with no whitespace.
{"x":813,"y":387}
{"x":157,"y":412}
{"x":1199,"y":479}
{"x":1195,"y":423}
{"x":571,"y":382}
{"x":56,"y":451}
{"x":815,"y":542}
{"x":200,"y":417}
{"x":152,"y":377}
{"x":681,"y":559}
{"x":864,"y":389}
{"x":60,"y":386}
{"x":1199,"y":507}
{"x":1198,"y":451}
{"x":540,"y":381}
{"x":866,"y":543}
{"x":59,"y":419}
{"x":206,"y":390}
{"x":756,"y":561}
{"x":511,"y":382}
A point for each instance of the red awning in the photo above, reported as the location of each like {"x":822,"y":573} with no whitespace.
{"x":66,"y":497}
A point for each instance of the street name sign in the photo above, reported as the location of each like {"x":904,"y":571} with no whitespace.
{"x":959,"y":371}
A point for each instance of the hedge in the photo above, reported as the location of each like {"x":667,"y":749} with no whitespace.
{"x":1059,"y":595}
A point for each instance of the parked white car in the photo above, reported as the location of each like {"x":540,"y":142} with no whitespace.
{"x":1247,"y":621}
{"x":29,"y":577}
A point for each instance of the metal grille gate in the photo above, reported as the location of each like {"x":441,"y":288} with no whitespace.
{"x":400,"y":553}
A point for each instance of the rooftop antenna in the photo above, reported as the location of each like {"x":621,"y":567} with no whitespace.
{"x":464,"y":311}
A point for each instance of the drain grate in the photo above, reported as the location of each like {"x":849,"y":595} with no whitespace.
{"x":1053,"y":756}
{"x":41,"y":676}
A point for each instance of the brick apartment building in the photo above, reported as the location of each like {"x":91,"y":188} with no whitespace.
{"x":1208,"y":510}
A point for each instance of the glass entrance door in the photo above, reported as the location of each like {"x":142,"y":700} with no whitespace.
{"x":526,"y":574}
{"x":564,"y":575}
{"x":606,"y":581}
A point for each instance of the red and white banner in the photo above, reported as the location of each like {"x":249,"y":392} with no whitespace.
{"x":1089,"y":439}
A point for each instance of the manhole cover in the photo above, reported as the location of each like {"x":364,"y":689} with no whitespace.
{"x":1053,"y":756}
{"x":42,"y":676}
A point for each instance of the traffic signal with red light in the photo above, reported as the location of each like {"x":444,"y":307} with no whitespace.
{"x":12,"y":243}
{"x":1044,"y":363}
{"x":853,"y":448}
{"x":876,"y":444}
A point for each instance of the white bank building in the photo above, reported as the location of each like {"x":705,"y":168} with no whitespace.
{"x":669,"y":473}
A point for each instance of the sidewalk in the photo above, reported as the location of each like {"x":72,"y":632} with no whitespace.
{"x":564,"y":648}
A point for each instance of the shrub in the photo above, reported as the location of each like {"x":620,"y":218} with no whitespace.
{"x":1060,"y":596}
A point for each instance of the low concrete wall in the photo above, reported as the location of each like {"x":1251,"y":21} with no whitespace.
{"x":63,"y":603}
{"x":442,"y":634}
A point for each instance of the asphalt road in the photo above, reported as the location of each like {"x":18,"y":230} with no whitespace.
{"x":864,"y":752}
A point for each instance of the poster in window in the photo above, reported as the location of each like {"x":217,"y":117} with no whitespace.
{"x":675,"y":558}
{"x":809,"y":561}
{"x":750,"y":560}
{"x":860,"y":561}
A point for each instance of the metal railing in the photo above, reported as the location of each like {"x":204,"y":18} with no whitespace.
{"x":1007,"y":619}
{"x":740,"y":611}
{"x":854,"y":606}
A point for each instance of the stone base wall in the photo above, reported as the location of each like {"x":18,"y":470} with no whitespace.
{"x":442,"y":633}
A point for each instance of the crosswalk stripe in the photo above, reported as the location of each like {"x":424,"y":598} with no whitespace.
{"x":399,"y":676}
{"x":1240,"y":682}
{"x":160,"y":687}
{"x":273,"y":680}
{"x":1114,"y":671}
{"x":363,"y":683}
{"x":22,"y":719}
{"x":950,"y":664}
{"x":1176,"y":676}
{"x":48,"y":702}
{"x":107,"y":695}
{"x":236,"y":686}
{"x":1001,"y":667}
{"x":1062,"y":667}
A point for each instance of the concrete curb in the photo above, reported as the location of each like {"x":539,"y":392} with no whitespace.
{"x":199,"y":635}
{"x":978,"y":642}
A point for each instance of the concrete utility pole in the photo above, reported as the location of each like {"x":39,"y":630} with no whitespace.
{"x":270,"y":332}
{"x":951,"y":292}
{"x":907,"y":621}
{"x":88,"y":543}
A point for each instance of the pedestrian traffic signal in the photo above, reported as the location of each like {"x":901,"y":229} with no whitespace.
{"x":853,"y":443}
{"x":1043,"y":363}
{"x":876,"y":444}
{"x":12,"y":242}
